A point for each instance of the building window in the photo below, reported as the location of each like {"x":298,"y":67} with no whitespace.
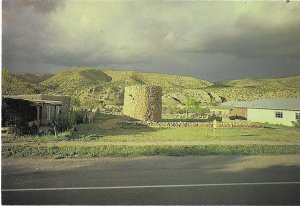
{"x":297,"y":116}
{"x":279,"y":114}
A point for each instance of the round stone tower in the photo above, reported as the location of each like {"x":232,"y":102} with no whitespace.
{"x":143,"y":102}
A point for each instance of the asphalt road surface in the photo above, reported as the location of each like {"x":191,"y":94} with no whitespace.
{"x":153,"y":180}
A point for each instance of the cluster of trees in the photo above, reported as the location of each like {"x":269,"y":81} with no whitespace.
{"x":191,"y":106}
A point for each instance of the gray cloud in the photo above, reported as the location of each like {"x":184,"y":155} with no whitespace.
{"x":255,"y":42}
{"x":213,"y":40}
{"x":37,"y":5}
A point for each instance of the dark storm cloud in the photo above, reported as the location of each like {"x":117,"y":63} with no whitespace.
{"x":37,"y":5}
{"x":254,"y":41}
{"x":212,"y":40}
{"x":25,"y":25}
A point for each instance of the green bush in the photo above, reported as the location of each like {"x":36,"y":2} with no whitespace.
{"x":15,"y":117}
{"x":296,"y":124}
{"x":79,"y":117}
{"x":212,"y":118}
{"x":64,"y":122}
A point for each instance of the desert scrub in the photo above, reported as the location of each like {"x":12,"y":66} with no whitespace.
{"x":63,"y":136}
{"x":125,"y":151}
{"x":86,"y":132}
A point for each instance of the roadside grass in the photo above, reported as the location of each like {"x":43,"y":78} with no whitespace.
{"x":141,"y":133}
{"x":127,"y":151}
{"x":144,"y":134}
{"x":285,"y":140}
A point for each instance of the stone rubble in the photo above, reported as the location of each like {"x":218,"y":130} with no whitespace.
{"x":191,"y":124}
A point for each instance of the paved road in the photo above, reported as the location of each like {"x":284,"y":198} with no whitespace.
{"x":154,"y":180}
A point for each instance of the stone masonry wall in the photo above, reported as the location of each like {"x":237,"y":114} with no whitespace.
{"x":143,"y":102}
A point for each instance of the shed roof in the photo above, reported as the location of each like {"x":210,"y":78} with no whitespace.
{"x":38,"y":101}
{"x":35,"y":101}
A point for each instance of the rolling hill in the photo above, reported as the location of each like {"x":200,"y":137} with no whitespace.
{"x":73,"y":79}
{"x":250,"y":88}
{"x":12,"y":85}
{"x":33,"y":78}
{"x":104,"y":88}
{"x":278,"y":83}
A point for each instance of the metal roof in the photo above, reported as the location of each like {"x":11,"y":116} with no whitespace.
{"x":221,"y":107}
{"x":235,"y":103}
{"x":282,"y":103}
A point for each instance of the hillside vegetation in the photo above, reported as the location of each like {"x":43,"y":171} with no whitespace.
{"x":11,"y":85}
{"x":73,"y":79}
{"x":104,"y":89}
{"x":33,"y":78}
{"x":249,"y":88}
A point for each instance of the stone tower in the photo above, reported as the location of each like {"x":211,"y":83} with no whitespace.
{"x":143,"y":102}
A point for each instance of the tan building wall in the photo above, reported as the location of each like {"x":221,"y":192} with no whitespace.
{"x":239,"y":112}
{"x":143,"y":102}
{"x":224,"y":112}
{"x":268,"y":115}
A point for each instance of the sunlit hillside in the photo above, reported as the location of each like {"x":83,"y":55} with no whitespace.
{"x":12,"y":85}
{"x":104,"y":88}
{"x":249,"y":88}
{"x":74,"y":79}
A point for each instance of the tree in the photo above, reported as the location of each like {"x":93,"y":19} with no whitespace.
{"x":191,"y":106}
{"x":13,"y":86}
{"x":7,"y":81}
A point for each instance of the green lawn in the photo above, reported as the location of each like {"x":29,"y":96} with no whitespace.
{"x":131,"y":140}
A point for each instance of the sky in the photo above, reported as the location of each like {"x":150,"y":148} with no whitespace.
{"x":212,"y":40}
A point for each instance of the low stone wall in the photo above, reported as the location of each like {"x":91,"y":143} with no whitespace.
{"x":192,"y":124}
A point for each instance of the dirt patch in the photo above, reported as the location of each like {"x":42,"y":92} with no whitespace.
{"x":112,"y":123}
{"x":109,"y":124}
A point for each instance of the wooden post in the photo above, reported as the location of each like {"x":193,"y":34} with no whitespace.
{"x":215,"y":127}
{"x":38,"y":117}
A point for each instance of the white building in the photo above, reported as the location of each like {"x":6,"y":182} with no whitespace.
{"x":274,"y":111}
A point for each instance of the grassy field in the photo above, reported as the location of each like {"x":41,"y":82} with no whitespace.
{"x":90,"y":140}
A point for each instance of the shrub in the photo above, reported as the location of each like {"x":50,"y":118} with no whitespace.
{"x":79,"y":117}
{"x":212,"y":118}
{"x":296,"y":124}
{"x":234,"y":117}
{"x":19,"y":127}
{"x":64,"y":122}
{"x":15,"y":117}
